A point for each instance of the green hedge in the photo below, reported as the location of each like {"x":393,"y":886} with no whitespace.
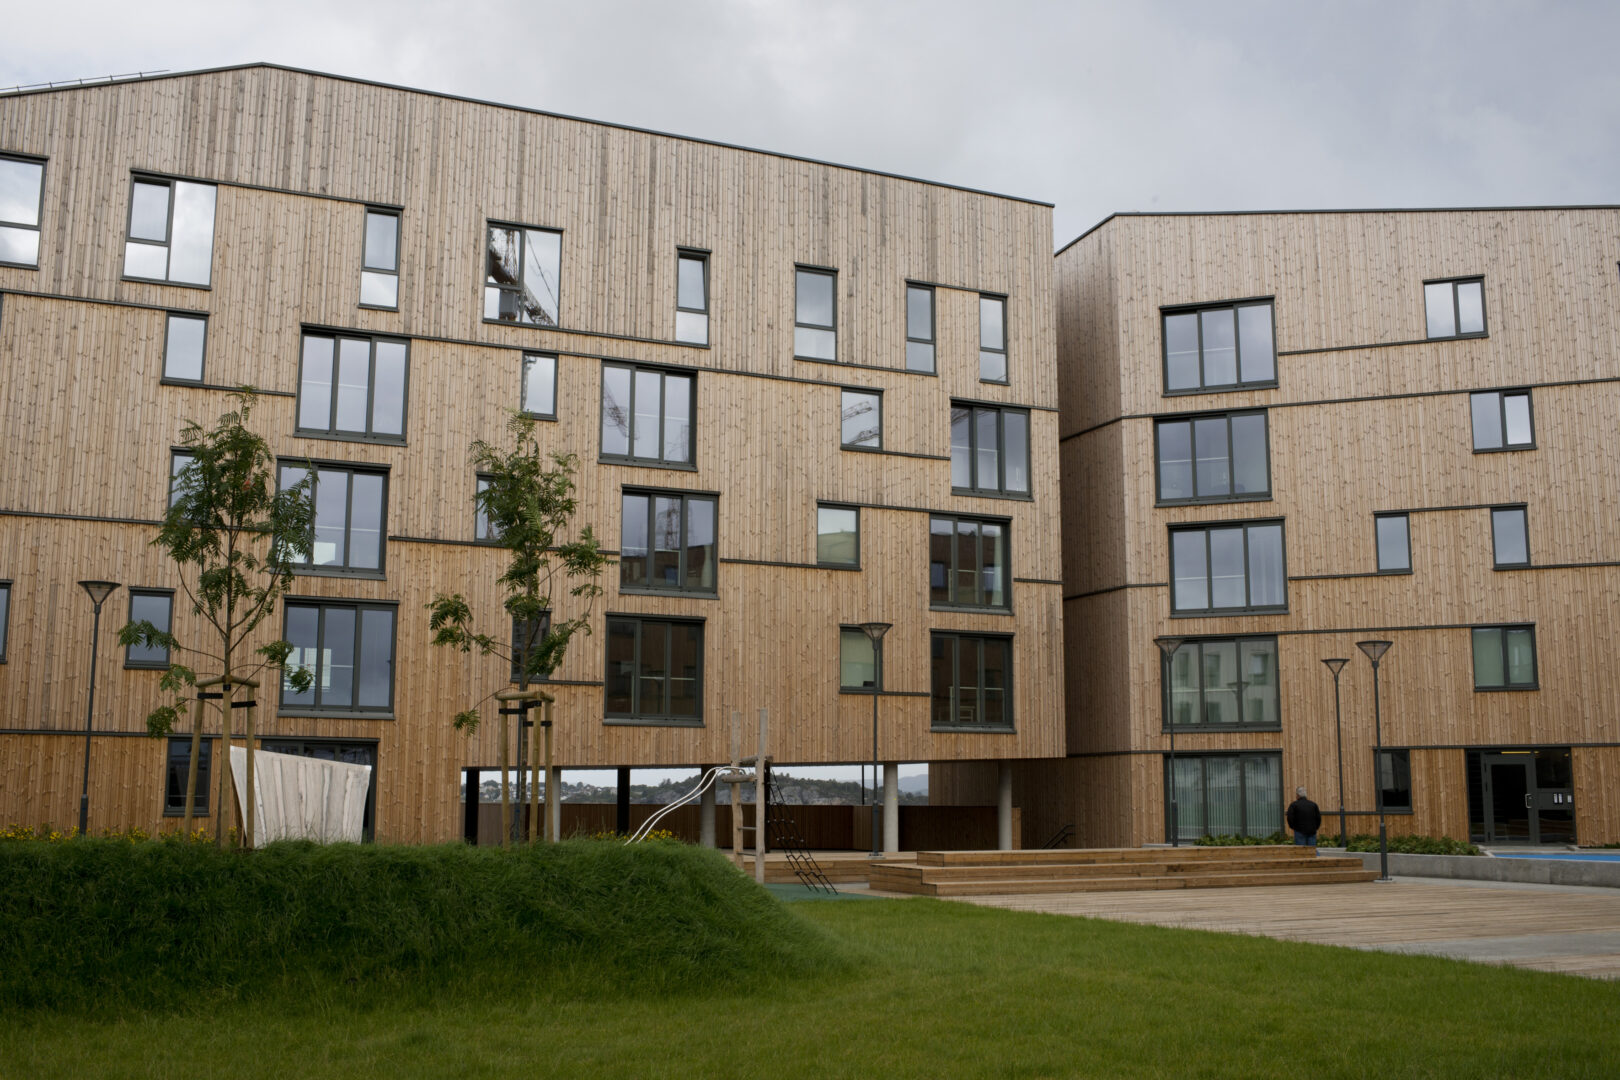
{"x":1233,"y":840}
{"x":1404,"y":845}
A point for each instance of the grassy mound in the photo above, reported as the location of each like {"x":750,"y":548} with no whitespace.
{"x":117,"y":925}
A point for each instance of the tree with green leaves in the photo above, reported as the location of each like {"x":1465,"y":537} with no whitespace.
{"x":235,"y":537}
{"x":528,"y":501}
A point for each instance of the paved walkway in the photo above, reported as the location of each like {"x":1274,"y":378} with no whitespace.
{"x":1547,"y":927}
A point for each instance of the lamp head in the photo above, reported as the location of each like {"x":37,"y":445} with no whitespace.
{"x":1374,"y":649}
{"x":875,"y":630}
{"x":1169,"y":645}
{"x":1336,"y":665}
{"x":98,"y":590}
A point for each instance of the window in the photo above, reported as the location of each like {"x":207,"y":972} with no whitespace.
{"x":1228,"y":568}
{"x":970,"y":678}
{"x":155,"y":606}
{"x":352,"y":753}
{"x":1230,"y":682}
{"x":1394,"y":543}
{"x":654,"y":670}
{"x":862,"y":420}
{"x":183,"y":344}
{"x":667,"y":542}
{"x":481,"y":526}
{"x":967,"y":563}
{"x":1214,"y":458}
{"x":540,"y":386}
{"x":692,"y":297}
{"x":352,"y":387}
{"x":647,"y":415}
{"x":993,"y":339}
{"x":22,"y":199}
{"x":178,"y":461}
{"x":1509,"y":540}
{"x":1227,"y":795}
{"x":989,"y":450}
{"x":857,"y":660}
{"x":5,"y":617}
{"x":838,"y":536}
{"x":521,"y":282}
{"x":171,"y":231}
{"x":1504,"y":658}
{"x":379,"y":264}
{"x":1502,"y":420}
{"x":1455,"y":308}
{"x":920,"y":328}
{"x":1219,"y":347}
{"x":174,"y":791}
{"x":527,"y":634}
{"x":349,"y":648}
{"x":349,"y":509}
{"x":1395,"y":779}
{"x":815,"y":326}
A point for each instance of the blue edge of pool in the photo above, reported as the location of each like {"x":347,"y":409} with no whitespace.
{"x":1577,"y":856}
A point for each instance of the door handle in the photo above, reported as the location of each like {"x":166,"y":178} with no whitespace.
{"x":1529,"y":801}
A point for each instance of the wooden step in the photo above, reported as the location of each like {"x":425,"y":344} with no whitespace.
{"x":1002,"y":887}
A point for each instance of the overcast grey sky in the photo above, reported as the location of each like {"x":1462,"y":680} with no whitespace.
{"x":1096,"y":108}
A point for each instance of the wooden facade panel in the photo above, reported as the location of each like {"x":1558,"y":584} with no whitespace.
{"x":1597,"y":778}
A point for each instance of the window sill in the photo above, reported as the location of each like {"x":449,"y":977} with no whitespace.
{"x":646,"y":463}
{"x":982,"y":729}
{"x":1504,"y":449}
{"x":968,"y":609}
{"x":642,"y":721}
{"x":1507,"y":689}
{"x":1008,"y":496}
{"x":377,"y":307}
{"x":1393,"y":573}
{"x":878,"y":449}
{"x":173,"y":284}
{"x":995,"y":382}
{"x":20,"y":266}
{"x":691,"y":594}
{"x":1215,"y":500}
{"x":195,"y":812}
{"x":1513,"y":566}
{"x":539,"y":416}
{"x":1229,"y":388}
{"x":332,"y":572}
{"x":330,"y":714}
{"x":851,"y":567}
{"x":145,"y":667}
{"x":1220,"y":613}
{"x":353,"y":437}
{"x":863,"y":691}
{"x":1204,"y":729}
{"x":1460,"y":337}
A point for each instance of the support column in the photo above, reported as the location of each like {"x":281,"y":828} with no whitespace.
{"x":1004,"y":837}
{"x":891,"y":807}
{"x":706,"y":814}
{"x":622,"y":825}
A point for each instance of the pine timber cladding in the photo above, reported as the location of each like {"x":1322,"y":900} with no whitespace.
{"x":82,"y":412}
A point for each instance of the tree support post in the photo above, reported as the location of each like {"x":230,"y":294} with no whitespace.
{"x":518,"y":703}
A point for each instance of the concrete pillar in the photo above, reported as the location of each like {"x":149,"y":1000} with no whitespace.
{"x":1004,"y":837}
{"x":706,"y":814}
{"x":891,"y":808}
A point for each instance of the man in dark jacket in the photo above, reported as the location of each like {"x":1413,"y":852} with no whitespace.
{"x":1304,"y":817}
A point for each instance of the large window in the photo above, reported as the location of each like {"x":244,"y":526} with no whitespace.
{"x":349,"y":649}
{"x":349,"y":513}
{"x":861,"y":419}
{"x":379,"y":263}
{"x":993,"y":339}
{"x":647,"y":415}
{"x":667,"y":542}
{"x":1505,"y":658}
{"x":184,"y":340}
{"x":352,"y":387}
{"x":654,"y":670}
{"x":22,"y":199}
{"x":1510,"y":542}
{"x":1455,"y":308}
{"x":989,"y":450}
{"x":1502,"y":420}
{"x":171,"y":231}
{"x":858,"y":667}
{"x":540,"y":386}
{"x":971,"y":678}
{"x":1395,"y":779}
{"x":838,"y":536}
{"x":155,"y":606}
{"x":1214,"y":458}
{"x":1394,"y":539}
{"x":692,"y":297}
{"x":920,"y":328}
{"x":967,"y":563}
{"x":1227,"y":795}
{"x":815,"y":314}
{"x":1219,"y":347}
{"x":5,"y":617}
{"x":174,"y":788}
{"x":1228,"y":568}
{"x":523,"y":267}
{"x":1230,"y":682}
{"x":352,"y":753}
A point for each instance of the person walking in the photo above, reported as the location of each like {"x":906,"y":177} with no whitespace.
{"x":1304,"y":817}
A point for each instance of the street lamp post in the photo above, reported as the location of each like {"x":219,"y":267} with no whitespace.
{"x":1336,"y":665}
{"x":875,"y":631}
{"x":1167,"y":649}
{"x":1375,"y":651}
{"x":98,"y":592}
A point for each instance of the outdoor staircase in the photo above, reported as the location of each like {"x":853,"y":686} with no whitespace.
{"x":989,"y":873}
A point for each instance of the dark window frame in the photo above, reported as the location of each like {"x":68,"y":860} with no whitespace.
{"x":832,"y":274}
{"x":1003,"y":352}
{"x":1203,"y":387}
{"x":351,"y":467}
{"x":39,"y":214}
{"x":1501,"y":410}
{"x":523,"y":384}
{"x":849,"y":630}
{"x":482,"y":532}
{"x":176,"y":452}
{"x":855,"y":508}
{"x":1166,"y":716}
{"x":1523,"y":510}
{"x":1248,"y":608}
{"x":168,"y":326}
{"x":6,"y":587}
{"x":686,"y":498}
{"x":174,"y":801}
{"x":1000,"y":491}
{"x":952,"y":571}
{"x":1378,"y":550}
{"x":660,"y":462}
{"x":149,"y":665}
{"x":702,"y":256}
{"x":491,"y":224}
{"x":870,"y":392}
{"x":367,"y":268}
{"x":1456,"y":308}
{"x":519,"y":654}
{"x":636,"y":715}
{"x":1191,"y":419}
{"x":1501,"y":630}
{"x":321,"y":604}
{"x":932,"y":340}
{"x":1167,"y":779}
{"x":167,"y":244}
{"x":333,"y":432}
{"x":1393,"y":754}
{"x":1009,"y":690}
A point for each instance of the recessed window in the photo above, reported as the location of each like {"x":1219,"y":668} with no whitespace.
{"x":920,"y":328}
{"x":5,"y":617}
{"x":667,"y":542}
{"x":352,"y":387}
{"x":692,"y":297}
{"x":1510,"y":540}
{"x":179,"y":771}
{"x":970,"y":678}
{"x":1394,"y":543}
{"x":1226,"y":795}
{"x":647,"y":415}
{"x":349,"y":649}
{"x":481,"y":527}
{"x":857,"y":660}
{"x":967,"y":563}
{"x":523,"y":268}
{"x":1455,"y":308}
{"x":993,"y":339}
{"x":861,"y":419}
{"x":815,"y":327}
{"x":171,"y":231}
{"x":155,"y":606}
{"x":1219,"y":347}
{"x":989,"y":450}
{"x":527,"y":634}
{"x":540,"y":386}
{"x":178,"y":461}
{"x":1395,"y":779}
{"x":1214,"y":458}
{"x":184,"y":340}
{"x":1228,"y":683}
{"x":1502,"y":420}
{"x":379,"y":264}
{"x":1504,"y":658}
{"x":838,"y":536}
{"x":349,"y":508}
{"x":22,"y":200}
{"x":1228,"y":568}
{"x":654,"y":670}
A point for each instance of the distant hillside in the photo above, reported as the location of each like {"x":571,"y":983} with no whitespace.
{"x":795,"y":790}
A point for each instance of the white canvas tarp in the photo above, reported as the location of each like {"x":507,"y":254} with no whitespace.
{"x":302,"y":798}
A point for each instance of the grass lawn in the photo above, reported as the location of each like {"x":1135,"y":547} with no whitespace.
{"x":941,"y":990}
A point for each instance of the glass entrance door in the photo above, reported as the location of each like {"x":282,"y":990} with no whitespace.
{"x":1529,"y":796}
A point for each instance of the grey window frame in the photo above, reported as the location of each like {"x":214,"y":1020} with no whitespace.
{"x":1501,"y":630}
{"x":176,"y":453}
{"x":350,"y":467}
{"x":367,"y":268}
{"x":205,"y":775}
{"x":1501,"y":410}
{"x":482,"y":532}
{"x":518,"y":654}
{"x":322,"y":604}
{"x":1523,"y":510}
{"x":1191,"y":419}
{"x":663,"y":373}
{"x":870,"y":392}
{"x":523,"y":384}
{"x":849,"y":631}
{"x":5,"y":617}
{"x":1393,"y":754}
{"x":39,"y":212}
{"x":701,"y":256}
{"x":168,"y":323}
{"x":1009,"y":691}
{"x":1378,"y":549}
{"x":1456,"y":311}
{"x":491,"y":224}
{"x":1000,"y":491}
{"x":1166,"y":684}
{"x":149,"y":665}
{"x":686,"y":499}
{"x":168,"y":231}
{"x":952,"y":572}
{"x":856,"y":564}
{"x":1237,"y":355}
{"x":1003,"y":352}
{"x":1248,"y":585}
{"x":333,"y":432}
{"x":636,"y":715}
{"x":932,"y":340}
{"x":828,"y":272}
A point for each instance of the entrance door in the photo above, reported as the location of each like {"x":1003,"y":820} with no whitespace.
{"x":1529,"y":797}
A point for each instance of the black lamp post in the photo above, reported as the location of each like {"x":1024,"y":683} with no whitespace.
{"x":1167,"y":649}
{"x":98,"y":591}
{"x":875,"y":631}
{"x":1337,"y":665}
{"x":1375,"y":650}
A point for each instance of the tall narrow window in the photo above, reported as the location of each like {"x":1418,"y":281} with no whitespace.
{"x":1230,"y":682}
{"x":349,"y":649}
{"x":481,"y":526}
{"x":1219,"y":458}
{"x":920,"y":328}
{"x":861,"y":419}
{"x":1395,"y":779}
{"x":527,"y":634}
{"x":857,"y":660}
{"x":5,"y":616}
{"x":352,"y":387}
{"x":971,"y":678}
{"x":1394,"y":543}
{"x":815,"y":319}
{"x":993,"y":339}
{"x":647,"y":415}
{"x":178,"y":460}
{"x":667,"y":542}
{"x":1502,"y":420}
{"x":1219,"y":347}
{"x":1455,"y":308}
{"x":540,"y":385}
{"x":174,"y":794}
{"x":184,"y":341}
{"x":349,"y":513}
{"x":522,"y":272}
{"x":692,"y":297}
{"x":1510,"y":540}
{"x":967,"y":563}
{"x":989,"y":450}
{"x":1504,"y":658}
{"x":155,"y":606}
{"x":1235,"y":567}
{"x":22,"y":199}
{"x":838,"y":536}
{"x":654,"y":670}
{"x":171,"y":231}
{"x":379,"y":264}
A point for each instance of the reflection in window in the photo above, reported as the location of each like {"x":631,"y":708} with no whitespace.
{"x":1502,"y":420}
{"x":379,"y":264}
{"x":1227,"y":568}
{"x":156,"y":607}
{"x":1455,"y":308}
{"x":967,"y":563}
{"x":857,"y":660}
{"x":348,"y":533}
{"x":522,"y":270}
{"x":1504,"y":658}
{"x":692,"y":297}
{"x":646,"y":415}
{"x":993,"y":339}
{"x":667,"y":542}
{"x":1225,"y":682}
{"x":1394,"y":543}
{"x":349,"y":649}
{"x":527,"y":634}
{"x":352,"y":386}
{"x":1509,"y":539}
{"x":1214,"y":458}
{"x":815,"y":333}
{"x":862,"y":419}
{"x":838,"y":536}
{"x":174,"y":792}
{"x":540,"y":385}
{"x":920,"y":328}
{"x":22,"y":194}
{"x":183,"y":343}
{"x":654,"y":670}
{"x":989,"y":449}
{"x":1395,"y":779}
{"x":171,"y":231}
{"x":1219,"y":347}
{"x":970,"y":679}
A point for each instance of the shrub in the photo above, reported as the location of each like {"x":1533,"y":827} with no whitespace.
{"x":1404,"y":845}
{"x":1233,"y":840}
